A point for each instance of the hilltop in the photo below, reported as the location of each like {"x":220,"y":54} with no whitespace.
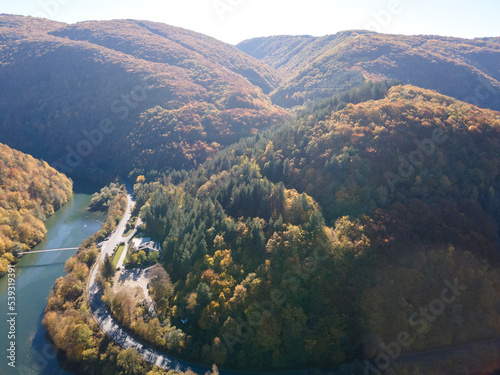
{"x":316,"y":67}
{"x":295,"y":233}
{"x":104,"y":96}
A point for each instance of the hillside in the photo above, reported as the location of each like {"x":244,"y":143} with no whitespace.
{"x":96,"y":97}
{"x":315,"y":67}
{"x":30,"y":191}
{"x":311,"y":245}
{"x":287,"y":243}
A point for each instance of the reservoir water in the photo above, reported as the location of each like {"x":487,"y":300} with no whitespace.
{"x":35,"y":276}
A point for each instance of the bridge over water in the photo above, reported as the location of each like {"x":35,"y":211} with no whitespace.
{"x":47,"y":250}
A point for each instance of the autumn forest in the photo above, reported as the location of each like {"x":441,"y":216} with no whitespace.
{"x":311,"y":197}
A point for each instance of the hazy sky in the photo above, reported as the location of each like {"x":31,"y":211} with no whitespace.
{"x":235,"y":20}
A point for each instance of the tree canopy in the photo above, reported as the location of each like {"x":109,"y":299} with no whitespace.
{"x":30,"y":191}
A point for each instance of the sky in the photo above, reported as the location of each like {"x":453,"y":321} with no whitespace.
{"x":233,"y":21}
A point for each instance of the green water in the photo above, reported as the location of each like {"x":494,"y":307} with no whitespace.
{"x":35,"y":276}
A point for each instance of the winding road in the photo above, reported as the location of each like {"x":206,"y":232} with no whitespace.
{"x":122,"y":338}
{"x":103,"y":316}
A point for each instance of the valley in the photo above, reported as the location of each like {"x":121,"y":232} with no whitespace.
{"x":309,"y":204}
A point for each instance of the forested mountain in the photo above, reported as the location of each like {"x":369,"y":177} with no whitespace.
{"x":30,"y":191}
{"x":116,"y":95}
{"x":313,"y":67}
{"x":104,"y":96}
{"x":289,"y":249}
{"x":306,"y":244}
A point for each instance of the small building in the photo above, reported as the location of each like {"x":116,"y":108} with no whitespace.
{"x":145,"y":244}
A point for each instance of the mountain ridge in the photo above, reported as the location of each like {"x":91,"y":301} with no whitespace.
{"x":61,"y":85}
{"x":431,"y":62}
{"x":384,"y":190}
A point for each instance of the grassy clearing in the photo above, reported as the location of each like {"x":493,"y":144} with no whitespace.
{"x":118,"y":254}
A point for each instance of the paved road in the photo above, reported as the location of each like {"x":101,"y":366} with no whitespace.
{"x":104,"y":318}
{"x":113,"y":329}
{"x":116,"y":332}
